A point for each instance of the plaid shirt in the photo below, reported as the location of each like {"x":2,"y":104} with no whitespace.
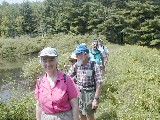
{"x":84,"y":80}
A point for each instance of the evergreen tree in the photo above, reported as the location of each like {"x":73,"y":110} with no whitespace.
{"x":28,"y":19}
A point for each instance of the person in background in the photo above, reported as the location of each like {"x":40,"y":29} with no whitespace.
{"x":72,"y":60}
{"x":54,"y":91}
{"x":104,"y":51}
{"x":89,"y":81}
{"x":96,"y":55}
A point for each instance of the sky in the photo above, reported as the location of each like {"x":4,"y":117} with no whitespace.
{"x":19,"y":1}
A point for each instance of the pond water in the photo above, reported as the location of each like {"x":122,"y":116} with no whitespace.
{"x":11,"y":77}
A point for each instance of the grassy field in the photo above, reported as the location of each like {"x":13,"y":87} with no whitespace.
{"x":130,"y":89}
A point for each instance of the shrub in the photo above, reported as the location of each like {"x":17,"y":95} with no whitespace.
{"x":130,"y":90}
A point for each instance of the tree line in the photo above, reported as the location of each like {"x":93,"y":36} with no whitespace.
{"x":121,"y":21}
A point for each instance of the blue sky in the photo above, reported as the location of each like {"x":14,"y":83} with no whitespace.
{"x":19,"y":1}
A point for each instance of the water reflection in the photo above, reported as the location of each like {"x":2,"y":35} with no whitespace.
{"x":6,"y":75}
{"x":4,"y":95}
{"x":10,"y":77}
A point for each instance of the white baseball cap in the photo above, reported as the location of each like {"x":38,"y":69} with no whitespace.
{"x":73,"y":56}
{"x":52,"y":52}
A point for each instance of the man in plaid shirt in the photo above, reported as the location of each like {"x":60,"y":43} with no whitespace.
{"x":89,"y":80}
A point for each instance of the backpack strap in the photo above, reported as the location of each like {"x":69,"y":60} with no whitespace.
{"x":92,"y":65}
{"x":41,"y":78}
{"x":64,"y":77}
{"x":75,"y":69}
{"x":103,"y":47}
{"x":93,"y":71}
{"x":91,"y":51}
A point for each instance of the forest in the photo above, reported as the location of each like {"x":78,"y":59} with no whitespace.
{"x":120,"y":21}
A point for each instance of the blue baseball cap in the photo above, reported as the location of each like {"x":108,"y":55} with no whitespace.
{"x":81,"y":49}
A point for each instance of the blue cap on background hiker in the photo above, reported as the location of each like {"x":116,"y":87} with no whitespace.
{"x":81,"y":49}
{"x":52,"y":52}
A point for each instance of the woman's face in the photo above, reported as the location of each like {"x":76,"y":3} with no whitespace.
{"x":49,"y":63}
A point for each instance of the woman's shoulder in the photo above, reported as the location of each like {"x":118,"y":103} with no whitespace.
{"x":63,"y":75}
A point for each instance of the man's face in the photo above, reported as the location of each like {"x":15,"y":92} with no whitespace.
{"x":94,"y":45}
{"x":80,"y":56}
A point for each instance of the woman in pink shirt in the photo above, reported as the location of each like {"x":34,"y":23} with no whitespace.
{"x":56,"y":93}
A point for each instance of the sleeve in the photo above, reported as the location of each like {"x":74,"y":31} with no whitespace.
{"x":98,"y":74}
{"x":37,"y":89}
{"x":106,"y":50}
{"x":72,"y":88}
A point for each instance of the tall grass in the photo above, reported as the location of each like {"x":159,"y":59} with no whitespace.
{"x":130,"y":89}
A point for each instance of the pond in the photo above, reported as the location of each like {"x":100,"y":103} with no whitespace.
{"x":11,"y":77}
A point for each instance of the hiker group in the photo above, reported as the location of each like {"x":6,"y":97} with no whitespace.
{"x":73,"y":95}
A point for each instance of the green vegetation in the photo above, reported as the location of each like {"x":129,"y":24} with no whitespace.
{"x":130,"y":91}
{"x":120,"y":21}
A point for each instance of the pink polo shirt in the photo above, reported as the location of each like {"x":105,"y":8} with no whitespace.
{"x":56,"y":99}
